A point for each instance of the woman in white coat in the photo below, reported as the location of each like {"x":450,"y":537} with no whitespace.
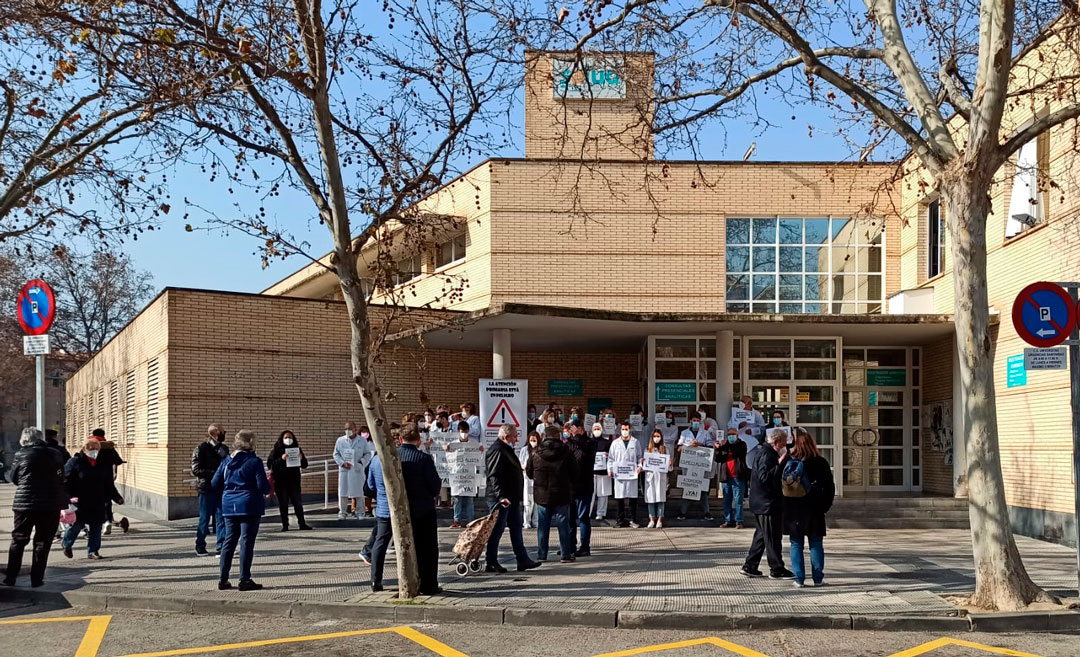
{"x":656,"y":483}
{"x":352,"y":453}
{"x":602,"y":487}
{"x":527,"y":493}
{"x":625,"y":451}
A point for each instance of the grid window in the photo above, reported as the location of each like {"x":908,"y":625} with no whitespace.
{"x":685,"y":375}
{"x":450,"y":251}
{"x":935,"y":225}
{"x":408,"y":269}
{"x":815,"y":265}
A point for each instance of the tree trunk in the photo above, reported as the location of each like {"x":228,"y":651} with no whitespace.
{"x":368,"y":387}
{"x":1001,"y":581}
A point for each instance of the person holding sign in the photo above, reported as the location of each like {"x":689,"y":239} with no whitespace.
{"x":696,"y":435}
{"x":611,"y":427}
{"x":624,"y":457}
{"x":734,"y":477}
{"x":745,"y":416}
{"x":464,"y":505}
{"x":352,"y":453}
{"x":583,"y":451}
{"x":285,"y":461}
{"x":639,"y":428}
{"x":602,"y":486}
{"x":656,"y":478}
{"x":505,"y":483}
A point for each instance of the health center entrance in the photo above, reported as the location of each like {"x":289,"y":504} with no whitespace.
{"x":860,"y":403}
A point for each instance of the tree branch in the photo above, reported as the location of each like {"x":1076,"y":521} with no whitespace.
{"x":1039,"y":126}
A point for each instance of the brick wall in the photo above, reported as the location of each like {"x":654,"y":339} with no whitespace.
{"x":937,"y":362}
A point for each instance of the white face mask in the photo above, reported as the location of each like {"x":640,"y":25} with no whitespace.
{"x":597,"y":432}
{"x":93,"y":453}
{"x":625,"y":433}
{"x":421,"y":425}
{"x":533,"y":443}
{"x":288,"y":441}
{"x":464,"y":435}
{"x":657,"y":440}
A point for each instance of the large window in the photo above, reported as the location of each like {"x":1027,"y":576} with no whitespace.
{"x":935,"y":226}
{"x":685,"y":375}
{"x":814,"y":265}
{"x":1029,"y":199}
{"x":408,"y":269}
{"x":450,"y":251}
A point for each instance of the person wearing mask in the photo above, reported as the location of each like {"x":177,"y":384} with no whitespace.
{"x":504,"y":485}
{"x":766,"y":504}
{"x":696,"y":435}
{"x":656,"y":483}
{"x":805,"y":516}
{"x":468,"y":414}
{"x":523,"y":455}
{"x":670,"y":431}
{"x":464,"y":505}
{"x":532,"y":416}
{"x":369,"y":453}
{"x":607,"y":421}
{"x":287,"y":479}
{"x":707,"y":421}
{"x":734,"y":477}
{"x":583,"y":451}
{"x":575,"y":414}
{"x":91,"y":482}
{"x":111,"y":459}
{"x":602,"y":484}
{"x":351,"y":453}
{"x":756,"y":423}
{"x":242,"y":478}
{"x":547,"y":419}
{"x":204,"y":464}
{"x":637,"y":416}
{"x":51,"y":439}
{"x":556,"y":412}
{"x":426,"y":426}
{"x":552,"y":470}
{"x":443,"y":427}
{"x":37,"y":473}
{"x":625,"y":450}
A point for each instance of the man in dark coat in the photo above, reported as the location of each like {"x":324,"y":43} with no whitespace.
{"x":205,"y":460}
{"x":583,"y":452}
{"x":422,"y":485}
{"x":551,"y":467}
{"x":766,"y":503}
{"x":91,"y":481}
{"x":505,"y":487}
{"x":37,"y":472}
{"x":51,"y":441}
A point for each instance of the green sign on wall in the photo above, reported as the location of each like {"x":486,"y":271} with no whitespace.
{"x":679,"y":391}
{"x":896,"y":377}
{"x":564,"y":387}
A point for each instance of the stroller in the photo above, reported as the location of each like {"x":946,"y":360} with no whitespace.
{"x":471,"y":544}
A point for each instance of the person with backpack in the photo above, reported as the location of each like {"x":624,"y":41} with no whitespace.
{"x":809,"y":490}
{"x":766,"y":503}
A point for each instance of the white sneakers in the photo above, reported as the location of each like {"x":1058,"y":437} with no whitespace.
{"x":660,"y":523}
{"x":652,"y":523}
{"x":634,"y":525}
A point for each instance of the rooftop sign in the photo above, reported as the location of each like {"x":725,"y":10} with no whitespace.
{"x":598,"y":78}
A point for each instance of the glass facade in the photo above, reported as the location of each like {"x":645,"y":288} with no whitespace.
{"x":805,"y":265}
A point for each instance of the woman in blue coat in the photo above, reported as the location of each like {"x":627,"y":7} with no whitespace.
{"x":242,"y":478}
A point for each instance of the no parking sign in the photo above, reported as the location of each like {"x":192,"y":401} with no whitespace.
{"x":36,"y":307}
{"x":1044,"y":314}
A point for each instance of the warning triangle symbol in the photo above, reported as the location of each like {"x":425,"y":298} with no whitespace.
{"x":502,"y":415}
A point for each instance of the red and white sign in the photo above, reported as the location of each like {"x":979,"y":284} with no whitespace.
{"x":1044,"y":314}
{"x":503,"y":401}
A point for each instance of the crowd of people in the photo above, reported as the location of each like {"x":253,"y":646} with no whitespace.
{"x":563,"y":476}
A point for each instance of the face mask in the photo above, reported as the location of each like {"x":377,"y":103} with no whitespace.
{"x":365,"y":435}
{"x":464,"y":435}
{"x":776,"y":421}
{"x":566,"y":435}
{"x":288,"y":441}
{"x":532,"y":417}
{"x":574,"y":416}
{"x":610,"y":416}
{"x":221,"y":437}
{"x":533,"y":443}
{"x":93,"y":453}
{"x":695,"y":426}
{"x":465,"y":414}
{"x":429,"y":420}
{"x":669,"y":421}
{"x":625,"y":433}
{"x":657,"y":440}
{"x":732,"y":438}
{"x":597,"y":432}
{"x":421,"y":425}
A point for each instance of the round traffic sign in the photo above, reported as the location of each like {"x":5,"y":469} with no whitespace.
{"x":1044,"y":314}
{"x":36,"y":307}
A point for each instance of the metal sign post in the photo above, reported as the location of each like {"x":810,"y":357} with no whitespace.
{"x":1074,"y":402}
{"x":36,"y":309}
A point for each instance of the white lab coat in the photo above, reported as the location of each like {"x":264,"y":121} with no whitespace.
{"x":351,"y":482}
{"x":476,"y":429}
{"x":643,"y":433}
{"x":670,"y":432}
{"x":523,"y":456}
{"x":624,"y":452}
{"x":656,"y":485}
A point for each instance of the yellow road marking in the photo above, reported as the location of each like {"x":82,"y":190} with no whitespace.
{"x":50,"y":620}
{"x":435,"y":646}
{"x":260,"y":643}
{"x":712,"y":640}
{"x":945,"y":641}
{"x":923,"y":649}
{"x":91,"y":640}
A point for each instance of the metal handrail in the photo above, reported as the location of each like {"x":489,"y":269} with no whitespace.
{"x":313,"y":470}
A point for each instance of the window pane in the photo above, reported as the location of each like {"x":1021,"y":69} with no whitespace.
{"x":770,"y":348}
{"x":815,"y":348}
{"x":823,"y":371}
{"x":675,"y":347}
{"x":886,"y":477}
{"x":791,"y":259}
{"x":852,"y":477}
{"x":814,"y":414}
{"x":736,"y":370}
{"x":916,"y":478}
{"x":790,"y":308}
{"x":870,"y":260}
{"x":890,"y":456}
{"x":817,"y":231}
{"x":707,"y":370}
{"x":870,"y":288}
{"x":852,"y":397}
{"x":853,"y":417}
{"x":764,"y":231}
{"x":886,"y":417}
{"x":707,"y":348}
{"x":459,"y":245}
{"x":765,"y":258}
{"x":814,"y":308}
{"x":764,"y":287}
{"x":791,"y":231}
{"x":843,"y":231}
{"x":445,"y":254}
{"x":738,"y":231}
{"x":843,"y":260}
{"x":817,"y":258}
{"x":738,"y":307}
{"x":821,"y":435}
{"x":770,"y":369}
{"x":764,"y":307}
{"x":738,"y":258}
{"x":738,"y":287}
{"x":790,"y":287}
{"x":813,"y":290}
{"x":817,"y":393}
{"x":886,"y":357}
{"x":854,"y":377}
{"x":707,"y":392}
{"x":676,"y":369}
{"x":843,"y":288}
{"x":871,"y":231}
{"x":853,"y":356}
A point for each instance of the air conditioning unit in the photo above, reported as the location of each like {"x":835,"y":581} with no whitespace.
{"x":918,"y":301}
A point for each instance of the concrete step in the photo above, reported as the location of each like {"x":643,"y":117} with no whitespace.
{"x":932,"y":512}
{"x":896,"y":523}
{"x":905,"y":502}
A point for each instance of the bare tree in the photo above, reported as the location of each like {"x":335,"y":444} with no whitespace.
{"x":942,"y":81}
{"x":365,"y":124}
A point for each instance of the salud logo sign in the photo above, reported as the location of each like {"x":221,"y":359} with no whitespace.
{"x":589,"y":78}
{"x":36,"y":307}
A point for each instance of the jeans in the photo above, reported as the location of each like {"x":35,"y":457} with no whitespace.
{"x":560,"y":515}
{"x":584,"y":521}
{"x":464,"y":509}
{"x":704,"y":503}
{"x":509,"y":517}
{"x":734,"y":492}
{"x":209,"y":507}
{"x":656,"y":510}
{"x":240,"y":530}
{"x":379,"y":546}
{"x":817,"y":558}
{"x":44,"y":523}
{"x":93,"y":536}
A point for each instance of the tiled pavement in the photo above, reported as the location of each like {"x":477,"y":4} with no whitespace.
{"x":687,"y":569}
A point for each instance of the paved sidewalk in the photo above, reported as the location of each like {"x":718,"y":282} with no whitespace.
{"x":684,"y":569}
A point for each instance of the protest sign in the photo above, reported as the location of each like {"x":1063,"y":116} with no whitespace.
{"x":292,"y":457}
{"x":655,"y":462}
{"x":624,"y":471}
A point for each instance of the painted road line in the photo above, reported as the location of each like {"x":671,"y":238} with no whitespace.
{"x":260,"y":643}
{"x":743,"y":651}
{"x":435,"y":646}
{"x":91,"y":640}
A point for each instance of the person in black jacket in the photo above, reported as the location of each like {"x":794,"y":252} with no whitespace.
{"x":422,"y":485}
{"x":805,"y":516}
{"x":583,"y":451}
{"x":552,"y":469}
{"x":734,"y":476}
{"x":505,"y":488}
{"x":287,"y":479}
{"x":37,"y":472}
{"x":204,"y":464}
{"x":89,"y":481}
{"x":51,"y":441}
{"x":765,"y":504}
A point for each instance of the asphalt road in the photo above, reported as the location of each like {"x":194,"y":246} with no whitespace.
{"x":27,"y":632}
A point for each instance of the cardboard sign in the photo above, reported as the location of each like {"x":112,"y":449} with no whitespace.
{"x":739,"y":415}
{"x":609,"y":426}
{"x":660,"y":420}
{"x":600,"y":462}
{"x":693,"y":485}
{"x":655,"y":462}
{"x":590,"y":420}
{"x":292,"y":457}
{"x":696,"y":457}
{"x":348,"y":455}
{"x":464,"y":485}
{"x":624,"y":471}
{"x":636,"y":421}
{"x":694,"y":473}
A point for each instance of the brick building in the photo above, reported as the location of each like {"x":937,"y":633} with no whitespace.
{"x":819,"y":289}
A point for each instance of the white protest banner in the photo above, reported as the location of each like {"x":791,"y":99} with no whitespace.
{"x":503,"y":401}
{"x":636,"y":421}
{"x":464,"y":485}
{"x":609,"y":426}
{"x":465,"y":468}
{"x":655,"y":462}
{"x":738,"y":416}
{"x":292,"y":457}
{"x":441,"y":467}
{"x":590,"y":420}
{"x":600,"y":462}
{"x":624,"y":471}
{"x":692,"y":484}
{"x":694,"y":473}
{"x":660,"y":420}
{"x":696,"y":457}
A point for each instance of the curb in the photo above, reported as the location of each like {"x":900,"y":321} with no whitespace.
{"x":1043,"y":621}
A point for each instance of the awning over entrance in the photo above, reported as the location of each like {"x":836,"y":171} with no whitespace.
{"x":559,"y":329}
